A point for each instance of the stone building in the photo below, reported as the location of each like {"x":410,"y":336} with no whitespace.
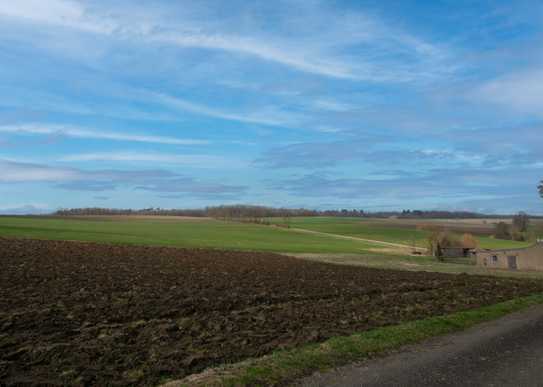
{"x":529,"y":258}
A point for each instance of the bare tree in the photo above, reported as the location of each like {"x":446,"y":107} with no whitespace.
{"x":469,"y":242}
{"x":439,"y":240}
{"x":521,"y":222}
{"x":502,"y":231}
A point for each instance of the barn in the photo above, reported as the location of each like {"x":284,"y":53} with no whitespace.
{"x":529,"y":258}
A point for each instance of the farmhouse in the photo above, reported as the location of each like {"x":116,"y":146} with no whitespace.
{"x":529,"y":258}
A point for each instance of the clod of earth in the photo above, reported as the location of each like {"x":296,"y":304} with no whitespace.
{"x":82,"y":313}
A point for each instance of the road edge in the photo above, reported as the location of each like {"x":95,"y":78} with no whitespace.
{"x":283,"y":366}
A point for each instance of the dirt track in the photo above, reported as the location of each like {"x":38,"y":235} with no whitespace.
{"x":82,"y":313}
{"x":396,"y":246}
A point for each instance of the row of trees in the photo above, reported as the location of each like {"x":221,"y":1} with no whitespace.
{"x":250,"y":212}
{"x":440,"y":214}
{"x":116,"y":211}
{"x":221,"y":212}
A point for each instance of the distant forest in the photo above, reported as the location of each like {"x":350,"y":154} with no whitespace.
{"x":260,"y":212}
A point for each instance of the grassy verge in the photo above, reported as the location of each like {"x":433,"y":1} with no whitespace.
{"x":287,"y":365}
{"x":414,"y":263}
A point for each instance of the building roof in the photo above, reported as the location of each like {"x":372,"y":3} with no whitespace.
{"x":537,"y":244}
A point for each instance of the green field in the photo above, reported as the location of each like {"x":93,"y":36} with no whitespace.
{"x":380,"y":230}
{"x":207,"y":233}
{"x":210,"y":233}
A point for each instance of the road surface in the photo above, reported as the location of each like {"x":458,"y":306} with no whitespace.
{"x":504,"y":352}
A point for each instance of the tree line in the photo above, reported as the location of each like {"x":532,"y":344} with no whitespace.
{"x":249,"y":212}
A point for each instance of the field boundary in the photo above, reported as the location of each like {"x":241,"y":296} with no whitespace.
{"x":288,"y":365}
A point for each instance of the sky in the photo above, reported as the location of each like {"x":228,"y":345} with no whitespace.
{"x":320,"y":104}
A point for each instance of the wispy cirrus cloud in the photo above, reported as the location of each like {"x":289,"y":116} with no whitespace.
{"x":176,"y":188}
{"x":319,"y":54}
{"x":269,"y":116}
{"x":13,"y":172}
{"x":72,"y":14}
{"x":520,"y":91}
{"x":411,"y":154}
{"x":332,"y":105}
{"x":99,"y":180}
{"x":75,"y":132}
{"x":476,"y":189}
{"x":66,"y":13}
{"x":202,"y":161}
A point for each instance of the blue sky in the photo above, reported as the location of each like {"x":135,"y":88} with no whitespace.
{"x":321,"y":104}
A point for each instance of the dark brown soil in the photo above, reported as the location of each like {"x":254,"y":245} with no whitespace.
{"x":81,"y":313}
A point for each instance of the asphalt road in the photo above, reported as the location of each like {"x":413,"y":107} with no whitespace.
{"x":504,"y":352}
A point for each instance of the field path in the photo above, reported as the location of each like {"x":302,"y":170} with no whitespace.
{"x":339,"y":236}
{"x":504,"y":352}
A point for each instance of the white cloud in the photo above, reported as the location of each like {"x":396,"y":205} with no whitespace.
{"x":52,"y":11}
{"x":203,"y":161}
{"x":154,"y":180}
{"x":75,"y":132}
{"x":64,"y":13}
{"x":320,"y":52}
{"x":331,"y":105}
{"x":521,"y":92}
{"x":25,"y":172}
{"x":259,"y":49}
{"x":70,"y":14}
{"x":271,"y":116}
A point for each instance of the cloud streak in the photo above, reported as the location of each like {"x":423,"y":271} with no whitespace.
{"x":157,"y":180}
{"x":271,"y":117}
{"x":320,"y":56}
{"x":520,"y":91}
{"x":71,"y":14}
{"x":74,"y":132}
{"x":203,"y":161}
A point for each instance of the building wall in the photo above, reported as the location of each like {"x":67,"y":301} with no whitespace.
{"x":530,"y":258}
{"x":452,"y":252}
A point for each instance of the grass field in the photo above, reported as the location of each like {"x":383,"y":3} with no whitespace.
{"x":210,"y":233}
{"x":415,"y":263}
{"x":393,"y":230}
{"x":206,"y":233}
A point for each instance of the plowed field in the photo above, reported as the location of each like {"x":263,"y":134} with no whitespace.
{"x":82,"y":313}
